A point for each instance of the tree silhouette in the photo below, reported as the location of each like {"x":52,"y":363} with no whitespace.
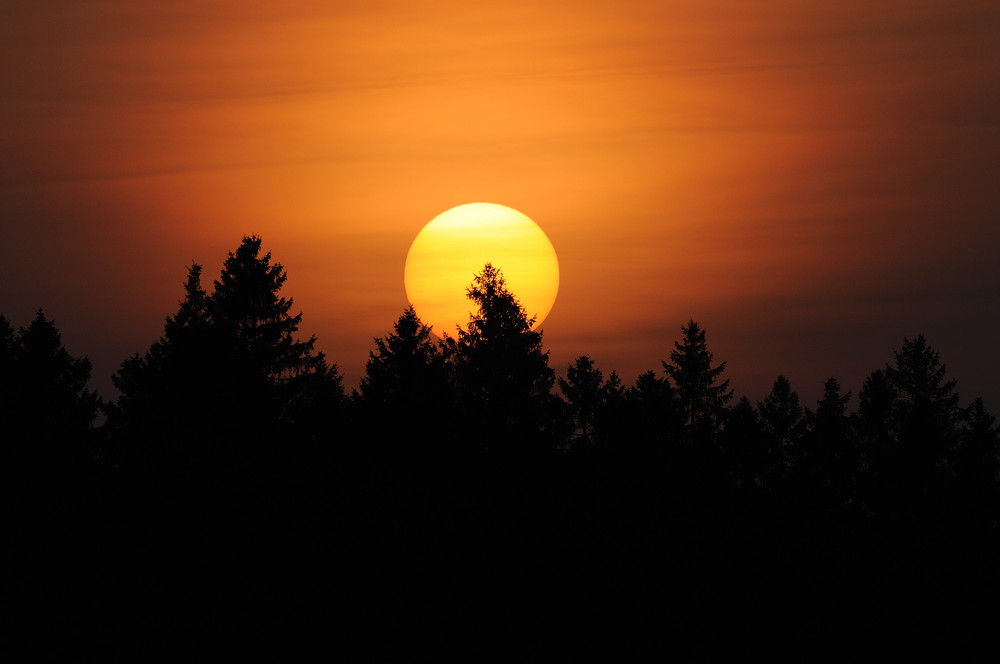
{"x":165,"y":393}
{"x":8,"y":380}
{"x":274,"y":370}
{"x":405,"y":386}
{"x":247,"y":307}
{"x":830,"y":457}
{"x":612,"y":411}
{"x":653,"y":415}
{"x":246,"y":481}
{"x":926,"y":404}
{"x":502,"y":373}
{"x":227,"y":372}
{"x":745,"y":447}
{"x":702,"y":398}
{"x":583,"y":389}
{"x":406,"y":369}
{"x":46,"y":409}
{"x":976,"y":469}
{"x":781,"y":423}
{"x":925,"y":412}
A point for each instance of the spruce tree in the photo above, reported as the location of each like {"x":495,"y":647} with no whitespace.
{"x":405,"y":387}
{"x":228,"y":371}
{"x":502,"y":373}
{"x":745,"y":447}
{"x":781,"y":422}
{"x":701,"y":396}
{"x":926,"y":414}
{"x":654,"y":417}
{"x":583,"y":389}
{"x":406,"y":368}
{"x":46,"y":410}
{"x":830,"y":453}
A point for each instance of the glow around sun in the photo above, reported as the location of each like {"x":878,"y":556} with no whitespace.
{"x":455,"y":245}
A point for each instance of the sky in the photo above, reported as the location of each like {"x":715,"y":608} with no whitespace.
{"x":810,"y":182}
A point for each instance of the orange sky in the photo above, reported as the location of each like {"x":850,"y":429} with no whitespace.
{"x":809,"y":181}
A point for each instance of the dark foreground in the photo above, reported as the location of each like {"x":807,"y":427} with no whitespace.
{"x":576,"y":556}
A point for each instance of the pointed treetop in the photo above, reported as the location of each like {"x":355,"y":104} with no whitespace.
{"x":499,"y":311}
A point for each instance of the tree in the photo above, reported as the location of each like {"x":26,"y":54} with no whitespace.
{"x":744,"y":446}
{"x":925,"y":413}
{"x":45,"y":406}
{"x":405,"y":386}
{"x":875,"y":416}
{"x":583,"y":389}
{"x":701,"y":397}
{"x":781,"y":422}
{"x":247,"y":309}
{"x":926,"y":404}
{"x":976,"y":468}
{"x":227,"y":371}
{"x":8,"y":361}
{"x":502,"y":373}
{"x":406,"y":369}
{"x":830,"y":454}
{"x":609,"y":417}
{"x":648,"y":417}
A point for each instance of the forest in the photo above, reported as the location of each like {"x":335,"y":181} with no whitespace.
{"x":468,"y":500}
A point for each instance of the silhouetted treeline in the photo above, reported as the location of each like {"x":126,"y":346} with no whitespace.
{"x":468,"y":502}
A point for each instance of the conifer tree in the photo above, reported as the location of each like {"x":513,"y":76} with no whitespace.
{"x":702,"y":398}
{"x":247,"y":309}
{"x":781,"y":422}
{"x":46,"y":409}
{"x":830,"y":453}
{"x":502,"y":373}
{"x":975,"y":468}
{"x":8,"y":358}
{"x":583,"y":389}
{"x":744,"y":446}
{"x":652,"y":418}
{"x":227,"y":370}
{"x":406,"y":367}
{"x":405,"y":386}
{"x":609,"y":418}
{"x":926,"y":403}
{"x":925,"y":413}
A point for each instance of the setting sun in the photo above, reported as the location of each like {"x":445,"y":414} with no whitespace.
{"x":456,"y":244}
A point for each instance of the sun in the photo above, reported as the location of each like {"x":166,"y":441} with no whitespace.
{"x":455,"y":245}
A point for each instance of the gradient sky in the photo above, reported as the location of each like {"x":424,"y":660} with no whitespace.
{"x":811,"y":182}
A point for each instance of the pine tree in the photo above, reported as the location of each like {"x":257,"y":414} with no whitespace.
{"x":701,"y":397}
{"x":248,"y":310}
{"x":975,"y":469}
{"x":926,"y":404}
{"x":406,"y":367}
{"x":744,"y":446}
{"x":46,"y":410}
{"x":227,"y":371}
{"x":653,"y":417}
{"x":781,"y":422}
{"x":925,"y":413}
{"x":502,"y":373}
{"x":609,"y":418}
{"x":830,"y":452}
{"x":166,"y":405}
{"x":405,"y":386}
{"x":8,"y":360}
{"x":583,"y":389}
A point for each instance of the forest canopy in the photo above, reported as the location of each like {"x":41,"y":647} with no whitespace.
{"x":231,"y":431}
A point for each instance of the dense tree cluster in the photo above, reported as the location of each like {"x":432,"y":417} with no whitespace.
{"x":235,"y":494}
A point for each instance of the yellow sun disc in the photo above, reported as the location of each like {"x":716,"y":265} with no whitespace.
{"x":455,"y":245}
